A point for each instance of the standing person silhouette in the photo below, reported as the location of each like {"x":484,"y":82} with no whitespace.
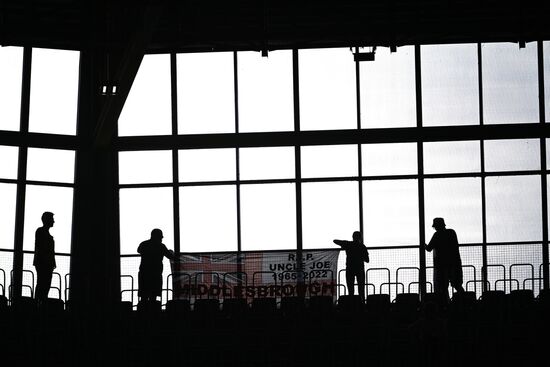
{"x":446,"y":260}
{"x":152,"y":252}
{"x":356,"y":256}
{"x":44,"y":257}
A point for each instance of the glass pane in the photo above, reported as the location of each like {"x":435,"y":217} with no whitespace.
{"x":458,"y":201}
{"x":450,"y":91}
{"x":512,"y":155}
{"x":452,"y":157}
{"x":388,"y":94}
{"x":265,"y":92}
{"x":266,"y":163}
{"x":59,"y":201}
{"x":329,"y":161}
{"x":392,"y":260}
{"x":330,"y":210}
{"x":510,"y":83}
{"x":519,"y":276}
{"x":8,"y":163}
{"x":546,"y":52}
{"x":207,"y":165}
{"x":327,"y":89}
{"x":54,"y":91}
{"x":142,"y":210}
{"x":268,"y":217}
{"x":389,"y":159}
{"x":148,"y":108}
{"x":11,"y":72}
{"x":390,"y":212}
{"x":145,"y":167}
{"x":513,"y":209}
{"x":208,"y":218}
{"x":51,"y":165}
{"x":206,"y":93}
{"x":8,"y":194}
{"x":472,"y":261}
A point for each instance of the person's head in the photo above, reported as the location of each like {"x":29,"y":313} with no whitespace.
{"x":156,"y":234}
{"x":47,"y":219}
{"x":356,"y":236}
{"x":438,"y":224}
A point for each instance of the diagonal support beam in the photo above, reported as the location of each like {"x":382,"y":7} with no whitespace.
{"x":124,"y":75}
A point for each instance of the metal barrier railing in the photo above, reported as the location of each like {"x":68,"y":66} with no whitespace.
{"x":3,"y":282}
{"x":505,"y":281}
{"x":202,"y":274}
{"x":486,"y":270}
{"x":67,"y":285}
{"x":132,"y":289}
{"x":376,"y":269}
{"x":530,"y":266}
{"x":389,"y":284}
{"x":487,"y":283}
{"x":406,"y":268}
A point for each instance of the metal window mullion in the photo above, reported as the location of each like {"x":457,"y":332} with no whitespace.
{"x":17,"y":281}
{"x":359,"y":148}
{"x":237,"y":158}
{"x":297,"y":158}
{"x":175,"y":156}
{"x":484,"y":261}
{"x":543,"y":163}
{"x":420,"y":163}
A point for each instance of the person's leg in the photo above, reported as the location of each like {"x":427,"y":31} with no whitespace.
{"x":441,"y":283}
{"x":43,"y":283}
{"x":360,"y":274}
{"x":350,"y":281}
{"x":456,"y":278}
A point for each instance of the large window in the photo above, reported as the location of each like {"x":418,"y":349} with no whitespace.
{"x":286,"y":189}
{"x":54,"y":91}
{"x":11,"y":72}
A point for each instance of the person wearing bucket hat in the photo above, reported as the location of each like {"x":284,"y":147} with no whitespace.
{"x":446,"y":259}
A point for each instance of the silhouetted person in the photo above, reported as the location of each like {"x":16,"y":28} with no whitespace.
{"x":152,"y":253}
{"x":356,"y":256}
{"x":44,"y":257}
{"x":446,"y":260}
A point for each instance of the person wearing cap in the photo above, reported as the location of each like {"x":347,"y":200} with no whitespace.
{"x":356,"y":256}
{"x":152,"y":252}
{"x":446,"y":259}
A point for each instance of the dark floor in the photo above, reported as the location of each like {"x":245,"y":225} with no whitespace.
{"x":496,"y":329}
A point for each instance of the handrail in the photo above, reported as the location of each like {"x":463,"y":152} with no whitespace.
{"x":427,"y":283}
{"x":181,"y":274}
{"x":207,"y":273}
{"x":131,"y":294}
{"x":510,"y":280}
{"x":373,"y":287}
{"x":495,"y":266}
{"x":406,"y":268}
{"x":60,"y":283}
{"x":67,"y":285}
{"x":132,"y":286}
{"x":533,"y":280}
{"x":530,"y":266}
{"x":376,"y":269}
{"x":478,"y":281}
{"x":3,"y":281}
{"x":397,"y":284}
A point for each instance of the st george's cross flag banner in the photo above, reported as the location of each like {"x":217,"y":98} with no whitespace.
{"x":255,"y":274}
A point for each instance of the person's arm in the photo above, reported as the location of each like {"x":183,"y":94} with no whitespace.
{"x":140,"y":248}
{"x":430,"y":246}
{"x":169,"y":253}
{"x":365,"y":254}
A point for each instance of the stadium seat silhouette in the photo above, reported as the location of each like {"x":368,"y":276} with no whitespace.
{"x":178,"y":306}
{"x":350,"y":303}
{"x":54,"y":305}
{"x":521,"y":298}
{"x":378,"y":303}
{"x":264,"y":305}
{"x":321,"y":304}
{"x":234,"y":307}
{"x":3,"y":303}
{"x":208,"y":306}
{"x":125,"y":307}
{"x":149,"y":306}
{"x":410,"y":301}
{"x":24,"y":304}
{"x":292,"y":305}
